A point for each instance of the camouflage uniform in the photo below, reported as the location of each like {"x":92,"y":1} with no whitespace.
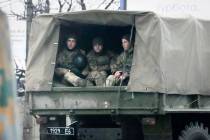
{"x":123,"y":63}
{"x":64,"y":67}
{"x":99,"y":65}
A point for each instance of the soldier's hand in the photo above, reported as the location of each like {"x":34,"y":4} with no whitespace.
{"x":118,"y":74}
{"x":124,"y":76}
{"x":61,"y":71}
{"x":91,"y":79}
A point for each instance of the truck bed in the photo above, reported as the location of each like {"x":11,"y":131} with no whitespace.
{"x":113,"y":100}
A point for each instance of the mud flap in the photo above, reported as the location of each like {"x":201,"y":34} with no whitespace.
{"x":159,"y":128}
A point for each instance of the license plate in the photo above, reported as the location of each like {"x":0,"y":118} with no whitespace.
{"x":60,"y":130}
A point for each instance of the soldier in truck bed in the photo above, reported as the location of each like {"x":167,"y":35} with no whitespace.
{"x":121,"y":69}
{"x":99,"y":61}
{"x":71,"y":65}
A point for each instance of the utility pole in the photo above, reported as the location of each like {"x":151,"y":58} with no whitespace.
{"x":29,"y":16}
{"x":27,"y":123}
{"x":123,"y":4}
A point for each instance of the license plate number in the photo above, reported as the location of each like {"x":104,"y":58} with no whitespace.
{"x":60,"y":130}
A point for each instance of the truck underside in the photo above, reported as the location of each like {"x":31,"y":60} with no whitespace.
{"x":112,"y":113}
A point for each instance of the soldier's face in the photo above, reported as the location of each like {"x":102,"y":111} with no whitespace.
{"x":71,"y":43}
{"x":98,"y":48}
{"x":125,"y":44}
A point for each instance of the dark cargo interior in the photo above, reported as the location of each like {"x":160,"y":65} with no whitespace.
{"x":85,"y":33}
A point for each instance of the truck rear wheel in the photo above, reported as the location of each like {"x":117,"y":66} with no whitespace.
{"x":195,"y":131}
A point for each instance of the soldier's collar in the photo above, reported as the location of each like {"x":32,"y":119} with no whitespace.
{"x":130,"y":50}
{"x":71,"y":49}
{"x":100,"y":53}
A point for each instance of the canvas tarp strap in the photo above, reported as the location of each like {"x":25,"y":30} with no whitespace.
{"x":42,"y":53}
{"x":171,"y":56}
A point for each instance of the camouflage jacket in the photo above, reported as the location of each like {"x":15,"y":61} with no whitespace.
{"x":65,"y":58}
{"x":123,"y":62}
{"x":100,"y":62}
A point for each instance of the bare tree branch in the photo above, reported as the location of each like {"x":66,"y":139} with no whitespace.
{"x":82,"y":4}
{"x":19,"y":17}
{"x":69,"y":5}
{"x":43,"y":6}
{"x":61,"y":5}
{"x":109,"y":4}
{"x":47,"y":6}
{"x":101,"y":4}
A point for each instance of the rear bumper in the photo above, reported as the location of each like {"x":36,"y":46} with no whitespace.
{"x":113,"y":100}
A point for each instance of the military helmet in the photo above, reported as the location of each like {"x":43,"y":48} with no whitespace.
{"x":73,"y":36}
{"x":80,"y":61}
{"x":98,"y":41}
{"x":126,"y":37}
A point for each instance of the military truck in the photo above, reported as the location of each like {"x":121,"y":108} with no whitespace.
{"x":167,"y":97}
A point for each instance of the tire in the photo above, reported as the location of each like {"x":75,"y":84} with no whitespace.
{"x":195,"y":131}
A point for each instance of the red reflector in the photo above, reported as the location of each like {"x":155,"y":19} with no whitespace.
{"x":41,"y":120}
{"x":148,"y":121}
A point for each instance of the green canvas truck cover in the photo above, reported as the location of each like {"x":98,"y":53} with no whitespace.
{"x":171,"y":55}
